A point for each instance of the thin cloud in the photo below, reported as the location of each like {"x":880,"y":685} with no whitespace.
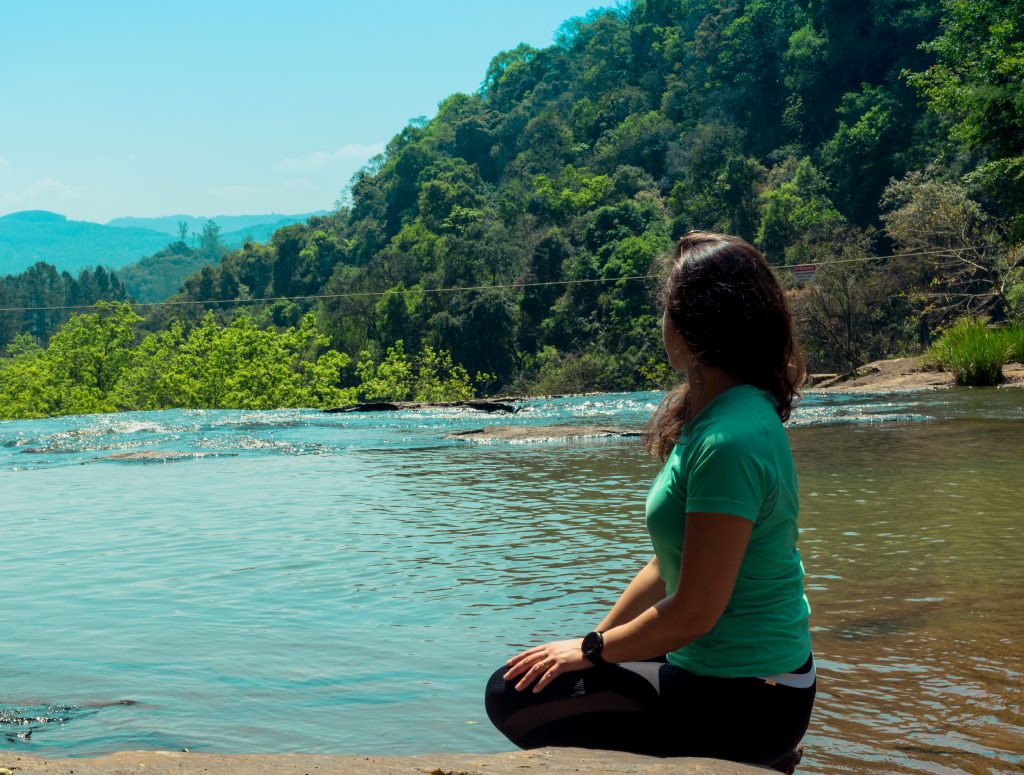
{"x":46,"y":193}
{"x":321,"y":159}
{"x":241,"y":191}
{"x":4,"y":162}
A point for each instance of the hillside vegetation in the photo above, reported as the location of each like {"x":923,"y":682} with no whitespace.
{"x":96,"y":363}
{"x":45,"y":299}
{"x":821,"y":132}
{"x":150,"y":279}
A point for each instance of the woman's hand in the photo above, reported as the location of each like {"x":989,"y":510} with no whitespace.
{"x":543,"y":663}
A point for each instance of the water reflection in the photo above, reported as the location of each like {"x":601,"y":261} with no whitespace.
{"x":914,"y":571}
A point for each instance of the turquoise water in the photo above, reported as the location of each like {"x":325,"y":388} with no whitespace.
{"x":345,"y":583}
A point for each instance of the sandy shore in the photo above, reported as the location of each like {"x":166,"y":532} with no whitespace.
{"x":903,"y":374}
{"x":546,"y":760}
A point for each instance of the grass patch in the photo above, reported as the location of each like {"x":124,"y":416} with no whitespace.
{"x":1014,"y":337}
{"x":973,"y":352}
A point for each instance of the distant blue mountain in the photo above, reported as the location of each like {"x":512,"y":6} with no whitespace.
{"x":36,"y":216}
{"x":229,"y":224}
{"x":31,"y":236}
{"x":37,"y":235}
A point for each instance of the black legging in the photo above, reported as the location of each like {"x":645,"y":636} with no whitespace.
{"x":614,"y":708}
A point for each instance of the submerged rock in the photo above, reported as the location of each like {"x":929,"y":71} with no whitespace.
{"x":521,"y":433}
{"x":154,"y":456}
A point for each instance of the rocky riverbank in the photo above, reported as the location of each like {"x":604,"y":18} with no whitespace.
{"x":900,"y":374}
{"x":879,"y":376}
{"x":552,"y":761}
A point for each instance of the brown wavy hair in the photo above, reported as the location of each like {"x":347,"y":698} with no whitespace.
{"x":725,"y":300}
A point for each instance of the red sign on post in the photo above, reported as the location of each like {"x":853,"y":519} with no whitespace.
{"x":804,"y":273}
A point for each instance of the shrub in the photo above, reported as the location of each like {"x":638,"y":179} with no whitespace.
{"x":973,"y":352}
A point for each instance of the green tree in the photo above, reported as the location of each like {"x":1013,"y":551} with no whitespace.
{"x":795,"y":202}
{"x":27,"y":389}
{"x":970,"y":269}
{"x":210,"y":243}
{"x":431,"y":376}
{"x":76,"y":373}
{"x":857,"y":158}
{"x":855,"y":310}
{"x":450,"y":189}
{"x":152,"y":377}
{"x":977,"y":86}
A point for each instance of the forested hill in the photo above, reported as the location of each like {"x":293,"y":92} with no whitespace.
{"x":783,"y":121}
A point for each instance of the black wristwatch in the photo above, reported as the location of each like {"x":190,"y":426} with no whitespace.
{"x":593,"y":645}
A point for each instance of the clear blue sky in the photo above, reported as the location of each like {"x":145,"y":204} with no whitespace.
{"x":118,"y":107}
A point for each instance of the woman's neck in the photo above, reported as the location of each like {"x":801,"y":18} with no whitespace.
{"x":707,"y":384}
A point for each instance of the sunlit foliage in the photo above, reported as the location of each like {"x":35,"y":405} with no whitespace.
{"x":94,"y":363}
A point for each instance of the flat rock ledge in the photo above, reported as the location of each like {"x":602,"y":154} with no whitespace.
{"x":900,"y":374}
{"x":546,"y":760}
{"x":521,"y":433}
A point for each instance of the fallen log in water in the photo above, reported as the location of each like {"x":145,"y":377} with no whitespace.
{"x":398,"y":406}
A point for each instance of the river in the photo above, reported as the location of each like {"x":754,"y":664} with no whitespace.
{"x":345,"y":583}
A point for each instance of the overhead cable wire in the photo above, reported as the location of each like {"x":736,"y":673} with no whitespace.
{"x":454,"y":289}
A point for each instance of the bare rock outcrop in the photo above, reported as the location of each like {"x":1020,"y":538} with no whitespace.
{"x":551,"y":761}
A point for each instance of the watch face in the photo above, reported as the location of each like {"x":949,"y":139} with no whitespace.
{"x":592,"y":644}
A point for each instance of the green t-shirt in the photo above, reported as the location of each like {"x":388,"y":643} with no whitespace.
{"x":734,"y":458}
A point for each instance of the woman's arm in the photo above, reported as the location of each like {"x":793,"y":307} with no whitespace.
{"x":713,"y":549}
{"x":646,"y":589}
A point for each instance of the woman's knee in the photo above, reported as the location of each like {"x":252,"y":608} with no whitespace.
{"x":502,"y":701}
{"x":497,"y":697}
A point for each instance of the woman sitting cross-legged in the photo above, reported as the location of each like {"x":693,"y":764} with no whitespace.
{"x":707,"y":652}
